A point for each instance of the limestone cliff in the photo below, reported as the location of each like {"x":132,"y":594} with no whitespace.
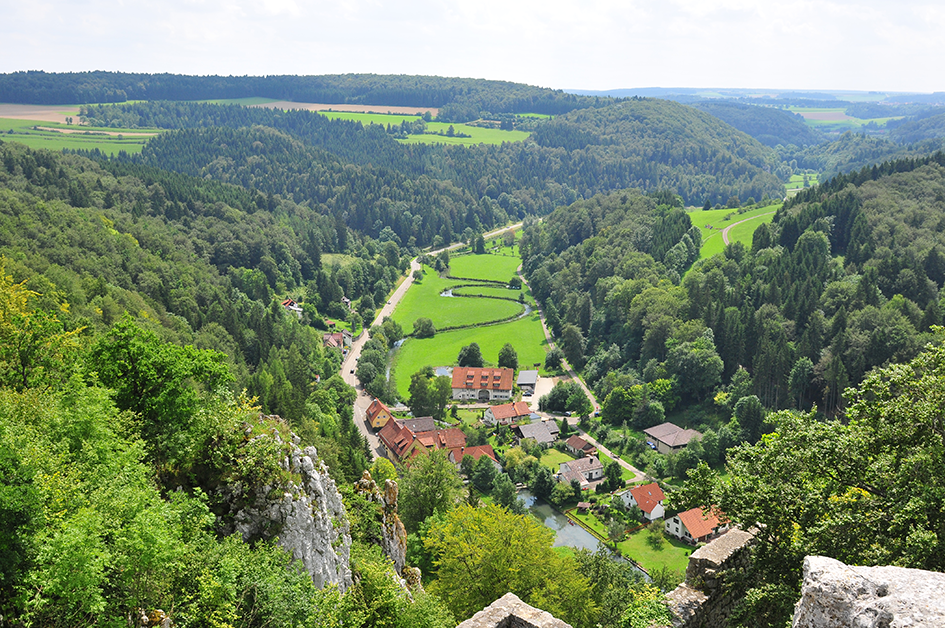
{"x":307,"y":517}
{"x":836,"y":595}
{"x":393,"y":534}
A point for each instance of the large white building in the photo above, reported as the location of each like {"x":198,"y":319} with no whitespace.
{"x":480,"y":384}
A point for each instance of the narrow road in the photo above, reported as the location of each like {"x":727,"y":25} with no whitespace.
{"x":638,"y":475}
{"x":350,"y":364}
{"x":725,"y":230}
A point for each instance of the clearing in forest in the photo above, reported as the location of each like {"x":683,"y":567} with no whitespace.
{"x":711,"y":223}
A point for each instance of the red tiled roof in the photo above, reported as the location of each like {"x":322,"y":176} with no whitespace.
{"x":507,"y":411}
{"x":576,"y":442}
{"x":479,"y":378}
{"x":396,"y":438}
{"x":699,"y":524}
{"x":478,"y":451}
{"x":376,"y":407}
{"x":647,"y":496}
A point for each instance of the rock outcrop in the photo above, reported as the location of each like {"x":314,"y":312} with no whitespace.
{"x":308,"y":518}
{"x":836,"y":595}
{"x":393,"y":534}
{"x":509,"y":611}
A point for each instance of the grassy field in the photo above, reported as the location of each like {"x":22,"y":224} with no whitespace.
{"x":719,"y":219}
{"x":525,"y":334}
{"x":673,"y":554}
{"x":54,"y":136}
{"x":488,"y":291}
{"x":436,"y":131}
{"x":487,"y":267}
{"x":840,"y":122}
{"x":423,"y":299}
{"x":552,"y":458}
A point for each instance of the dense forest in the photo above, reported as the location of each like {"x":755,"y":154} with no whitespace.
{"x":457,"y":99}
{"x":768,"y":125}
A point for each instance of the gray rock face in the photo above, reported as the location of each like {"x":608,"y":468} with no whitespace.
{"x":393,"y":533}
{"x":309,"y":520}
{"x":835,"y":595}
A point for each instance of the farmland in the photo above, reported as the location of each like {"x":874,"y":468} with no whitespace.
{"x":57,"y":136}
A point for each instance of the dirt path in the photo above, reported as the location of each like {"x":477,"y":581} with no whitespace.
{"x":725,"y":230}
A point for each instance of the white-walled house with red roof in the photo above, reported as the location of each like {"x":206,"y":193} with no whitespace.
{"x":695,"y":526}
{"x":648,"y":498}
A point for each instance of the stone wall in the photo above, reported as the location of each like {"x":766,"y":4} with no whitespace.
{"x":511,"y":612}
{"x":835,"y":595}
{"x":702,"y":601}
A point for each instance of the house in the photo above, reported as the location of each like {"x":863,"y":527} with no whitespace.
{"x":540,"y":432}
{"x":405,"y":439}
{"x":669,"y":437}
{"x":527,"y":380}
{"x":580,"y":447}
{"x":507,"y":413}
{"x":695,"y":526}
{"x":346,"y":302}
{"x":648,"y":498}
{"x":584,"y":470}
{"x":292,"y":307}
{"x":378,"y":414}
{"x":337,"y":340}
{"x":477,"y":452}
{"x":481,"y":384}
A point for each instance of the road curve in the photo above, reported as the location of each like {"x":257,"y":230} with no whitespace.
{"x":725,"y":230}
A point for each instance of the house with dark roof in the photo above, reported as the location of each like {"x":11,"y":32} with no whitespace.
{"x":539,"y":431}
{"x":378,"y":414}
{"x":481,"y":384}
{"x":648,"y":498}
{"x":527,"y":381}
{"x":669,"y":437}
{"x":477,"y":452}
{"x":405,"y":439}
{"x":695,"y":526}
{"x":585,"y":470}
{"x":337,"y":340}
{"x":507,"y":413}
{"x":579,"y":447}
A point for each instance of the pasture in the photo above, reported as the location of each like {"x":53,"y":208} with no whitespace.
{"x":525,"y":334}
{"x":486,"y":267}
{"x":719,"y":219}
{"x":56,"y":136}
{"x":835,"y":119}
{"x":436,"y":131}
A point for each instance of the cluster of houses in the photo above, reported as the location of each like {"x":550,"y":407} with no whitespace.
{"x":693,"y":526}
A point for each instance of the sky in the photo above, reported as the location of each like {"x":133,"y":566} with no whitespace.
{"x":879,"y":45}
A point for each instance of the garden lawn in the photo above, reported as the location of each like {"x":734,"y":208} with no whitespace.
{"x":552,"y":458}
{"x":591,"y":521}
{"x":525,"y":334}
{"x":423,"y":300}
{"x":674,"y":554}
{"x":625,"y":474}
{"x":488,"y":267}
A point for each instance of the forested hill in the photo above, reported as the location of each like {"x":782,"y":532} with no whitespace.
{"x":768,"y":125}
{"x":847,"y":278}
{"x":458,"y":99}
{"x":645,"y":143}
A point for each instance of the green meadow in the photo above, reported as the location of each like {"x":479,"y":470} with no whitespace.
{"x":525,"y":334}
{"x":485,"y":267}
{"x":672,"y":554}
{"x":57,"y":136}
{"x":847,"y":123}
{"x":719,"y":219}
{"x":436,"y":131}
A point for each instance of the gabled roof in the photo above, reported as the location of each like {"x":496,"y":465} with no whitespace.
{"x":576,"y":442}
{"x":507,"y":411}
{"x":482,"y":379}
{"x":671,"y":434}
{"x":376,"y":407}
{"x":583,"y":465}
{"x":528,"y":378}
{"x":538,"y":431}
{"x":478,"y":451}
{"x":419,"y":424}
{"x":396,"y":438}
{"x":647,"y":496}
{"x":699,"y":524}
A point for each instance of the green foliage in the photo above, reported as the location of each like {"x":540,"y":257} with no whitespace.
{"x":429,"y":394}
{"x":508,"y":358}
{"x":430,"y":484}
{"x":470,"y":355}
{"x":483,"y":553}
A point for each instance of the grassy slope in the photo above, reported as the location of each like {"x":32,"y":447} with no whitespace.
{"x":132,"y":141}
{"x":478,"y":135}
{"x":712,"y":238}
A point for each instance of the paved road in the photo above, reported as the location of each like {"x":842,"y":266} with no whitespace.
{"x":726,"y":229}
{"x":350,"y":363}
{"x":638,"y":475}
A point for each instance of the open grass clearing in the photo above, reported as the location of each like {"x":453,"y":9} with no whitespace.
{"x":711,"y":224}
{"x":552,"y":458}
{"x":525,"y":334}
{"x":673,"y":554}
{"x":424,"y":300}
{"x":56,"y":136}
{"x":486,"y":267}
{"x":625,"y":474}
{"x":436,"y":131}
{"x":488,"y":291}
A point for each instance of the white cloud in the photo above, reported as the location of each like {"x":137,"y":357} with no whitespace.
{"x":594,"y":44}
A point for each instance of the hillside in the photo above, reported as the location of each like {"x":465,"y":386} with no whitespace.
{"x":768,"y":125}
{"x":917,"y":130}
